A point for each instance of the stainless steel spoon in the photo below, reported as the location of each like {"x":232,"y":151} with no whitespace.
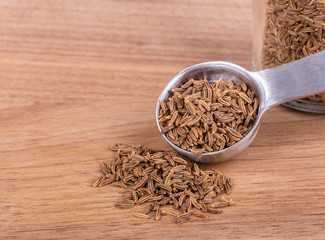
{"x":271,"y":86}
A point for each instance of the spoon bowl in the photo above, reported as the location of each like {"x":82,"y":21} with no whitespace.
{"x":271,"y":87}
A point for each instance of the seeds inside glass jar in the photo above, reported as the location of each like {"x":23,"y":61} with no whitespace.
{"x":293,"y":30}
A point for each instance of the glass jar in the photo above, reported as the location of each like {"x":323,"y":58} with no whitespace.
{"x":287,"y":30}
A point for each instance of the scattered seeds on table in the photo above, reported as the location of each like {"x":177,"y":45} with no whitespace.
{"x":165,"y":183}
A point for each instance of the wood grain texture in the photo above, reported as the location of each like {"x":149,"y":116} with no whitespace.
{"x":77,"y":76}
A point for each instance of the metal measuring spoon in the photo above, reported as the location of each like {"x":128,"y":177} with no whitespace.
{"x":271,"y":87}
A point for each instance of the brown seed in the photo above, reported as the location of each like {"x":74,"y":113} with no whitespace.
{"x":214,"y":210}
{"x":181,"y":199}
{"x":196,"y":169}
{"x":173,"y":118}
{"x":183,"y":209}
{"x":197,"y":150}
{"x":180,"y":160}
{"x":148,"y":209}
{"x":128,"y":178}
{"x":167,"y":128}
{"x":126,"y":194}
{"x":190,"y":107}
{"x":175,"y":202}
{"x":245,"y":97}
{"x":210,"y":195}
{"x":233,"y":132}
{"x":135,"y":196}
{"x":202,"y":179}
{"x":143,"y":199}
{"x":187,"y":84}
{"x":170,"y":213}
{"x":207,"y":201}
{"x":182,"y":220}
{"x":106,"y":182}
{"x":168,"y":178}
{"x":163,"y":106}
{"x":151,"y":186}
{"x":157,"y":178}
{"x":97,"y":182}
{"x":171,"y":162}
{"x":158,"y":213}
{"x":203,"y":206}
{"x":188,"y":204}
{"x":204,"y":105}
{"x":191,"y":194}
{"x":119,"y":185}
{"x":105,"y":168}
{"x":192,"y":97}
{"x":157,"y":198}
{"x":124,"y":205}
{"x":178,"y":168}
{"x":180,"y":186}
{"x":141,"y":183}
{"x":164,"y":201}
{"x":187,"y":214}
{"x":195,"y":203}
{"x":200,"y":215}
{"x":219,"y":204}
{"x":164,"y":187}
{"x":141,"y":215}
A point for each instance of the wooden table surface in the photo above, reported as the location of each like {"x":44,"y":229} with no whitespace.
{"x":78,"y":76}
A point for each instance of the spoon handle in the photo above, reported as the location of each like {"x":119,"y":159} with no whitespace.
{"x":294,"y":80}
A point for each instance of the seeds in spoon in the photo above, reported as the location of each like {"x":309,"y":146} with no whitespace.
{"x":204,"y":117}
